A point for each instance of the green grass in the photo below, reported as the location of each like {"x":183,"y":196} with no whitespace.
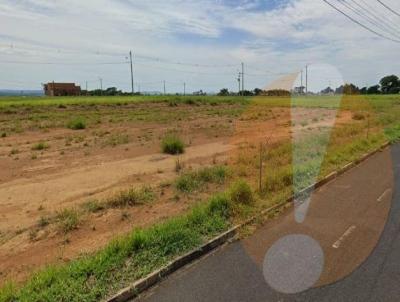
{"x":191,"y":181}
{"x":241,"y":193}
{"x":172,"y":144}
{"x":62,"y":102}
{"x":68,"y":220}
{"x":40,"y":146}
{"x":131,"y":197}
{"x":77,"y":124}
{"x":93,"y":277}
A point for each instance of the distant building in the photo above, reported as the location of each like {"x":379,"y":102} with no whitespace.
{"x":299,"y":90}
{"x":61,"y":89}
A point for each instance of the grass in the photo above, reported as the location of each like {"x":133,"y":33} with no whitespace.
{"x":93,"y":277}
{"x":116,"y":139}
{"x":40,"y":146}
{"x":68,"y":220}
{"x":172,"y":144}
{"x":241,"y":193}
{"x":191,"y":181}
{"x":93,"y":206}
{"x":77,"y":124}
{"x":131,"y":197}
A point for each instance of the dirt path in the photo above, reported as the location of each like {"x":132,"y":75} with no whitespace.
{"x":26,"y":195}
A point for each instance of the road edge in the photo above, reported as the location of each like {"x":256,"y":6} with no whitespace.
{"x":157,"y":276}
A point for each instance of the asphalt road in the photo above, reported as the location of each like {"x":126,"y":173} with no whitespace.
{"x":355,"y":221}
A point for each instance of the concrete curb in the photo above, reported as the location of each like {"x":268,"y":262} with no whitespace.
{"x":152,"y":279}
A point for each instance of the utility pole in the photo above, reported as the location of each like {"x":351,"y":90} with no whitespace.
{"x":133,"y":86}
{"x":301,"y":82}
{"x":87,"y":92}
{"x":306,"y":79}
{"x":238,"y":79}
{"x":184,"y":88}
{"x":101,"y":86}
{"x":165,"y":91}
{"x":243,"y":78}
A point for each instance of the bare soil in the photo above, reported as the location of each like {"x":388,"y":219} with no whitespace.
{"x":97,"y":162}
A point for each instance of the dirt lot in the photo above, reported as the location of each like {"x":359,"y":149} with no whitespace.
{"x":46,"y":167}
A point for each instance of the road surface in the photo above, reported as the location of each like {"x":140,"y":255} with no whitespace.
{"x":356,"y":221}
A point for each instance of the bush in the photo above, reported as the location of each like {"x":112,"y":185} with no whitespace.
{"x":93,"y":206}
{"x":171,"y":144}
{"x":40,"y":146}
{"x":77,"y":124}
{"x":4,"y":134}
{"x":241,"y":193}
{"x":358,"y":116}
{"x":191,"y":181}
{"x":131,"y":197}
{"x":68,"y":220}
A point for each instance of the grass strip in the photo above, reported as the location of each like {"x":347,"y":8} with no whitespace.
{"x":93,"y":277}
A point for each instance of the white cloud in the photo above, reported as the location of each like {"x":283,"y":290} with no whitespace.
{"x":280,"y":40}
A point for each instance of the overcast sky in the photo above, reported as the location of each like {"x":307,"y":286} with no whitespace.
{"x":79,"y":41}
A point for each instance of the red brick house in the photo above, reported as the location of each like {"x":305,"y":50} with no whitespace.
{"x":61,"y":89}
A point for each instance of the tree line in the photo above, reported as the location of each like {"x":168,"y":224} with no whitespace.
{"x":387,"y":85}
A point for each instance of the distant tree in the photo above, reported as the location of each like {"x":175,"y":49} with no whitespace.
{"x":223,"y":92}
{"x":363,"y":90}
{"x":374,"y":89}
{"x":390,"y":84}
{"x":347,"y":89}
{"x":327,"y":90}
{"x":277,"y":92}
{"x":247,"y":93}
{"x":258,"y":91}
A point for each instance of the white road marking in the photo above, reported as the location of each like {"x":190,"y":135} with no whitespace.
{"x":383,"y":194}
{"x":350,"y":230}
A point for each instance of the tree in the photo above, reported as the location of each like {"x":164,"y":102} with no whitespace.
{"x":363,"y":90}
{"x":258,"y":91}
{"x":223,"y":92}
{"x":347,"y":89}
{"x":390,"y":84}
{"x":373,"y":89}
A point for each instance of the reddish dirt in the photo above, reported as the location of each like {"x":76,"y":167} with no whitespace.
{"x":72,"y":171}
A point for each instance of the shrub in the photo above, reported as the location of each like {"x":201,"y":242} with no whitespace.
{"x":191,"y":181}
{"x":4,"y":134}
{"x":93,"y":206}
{"x":40,"y":146}
{"x":68,"y":220}
{"x":43,"y":221}
{"x":77,"y":124}
{"x":131,"y":197}
{"x":241,"y":193}
{"x":172,"y":144}
{"x":358,"y":116}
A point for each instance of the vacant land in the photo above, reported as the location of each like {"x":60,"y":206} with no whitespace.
{"x":77,"y":172}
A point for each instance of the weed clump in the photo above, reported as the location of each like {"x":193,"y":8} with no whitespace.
{"x":358,"y":116}
{"x":40,"y":146}
{"x":77,"y":124}
{"x":93,"y":206}
{"x":131,"y":197}
{"x":172,"y":144}
{"x":68,"y":220}
{"x":241,"y":193}
{"x":191,"y":181}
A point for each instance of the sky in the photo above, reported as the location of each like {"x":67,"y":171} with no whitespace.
{"x":198,"y":42}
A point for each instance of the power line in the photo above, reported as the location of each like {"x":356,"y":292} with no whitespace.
{"x":389,"y":8}
{"x":361,"y":24}
{"x":375,"y":20}
{"x":63,"y":63}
